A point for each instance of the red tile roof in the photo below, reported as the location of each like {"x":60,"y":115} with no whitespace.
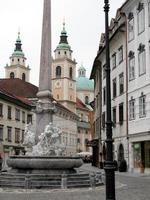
{"x":18,"y":87}
{"x":80,"y":104}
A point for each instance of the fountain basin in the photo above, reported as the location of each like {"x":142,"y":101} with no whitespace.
{"x":45,"y":163}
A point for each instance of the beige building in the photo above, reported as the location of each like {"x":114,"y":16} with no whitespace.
{"x":15,"y":112}
{"x":64,"y":74}
{"x":17,"y":67}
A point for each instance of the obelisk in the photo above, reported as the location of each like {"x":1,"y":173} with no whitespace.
{"x":44,"y":108}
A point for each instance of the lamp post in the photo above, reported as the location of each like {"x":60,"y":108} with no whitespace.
{"x":109,"y":164}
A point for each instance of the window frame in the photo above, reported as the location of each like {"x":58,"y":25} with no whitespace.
{"x":141,"y":16}
{"x":121,"y":114}
{"x":142,"y":106}
{"x":120,"y":52}
{"x":132,"y":109}
{"x":131,"y":58}
{"x":121,"y":83}
{"x":130,"y":24}
{"x":1,"y":110}
{"x":142,"y":58}
{"x":114,"y":88}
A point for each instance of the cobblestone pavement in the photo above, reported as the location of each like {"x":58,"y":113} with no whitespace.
{"x":128,"y":187}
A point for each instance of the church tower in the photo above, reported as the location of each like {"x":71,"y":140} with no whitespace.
{"x":64,"y":74}
{"x":17,"y":67}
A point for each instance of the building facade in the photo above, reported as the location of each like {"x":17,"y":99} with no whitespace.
{"x":117,"y":36}
{"x":138,"y":56}
{"x":15,"y":113}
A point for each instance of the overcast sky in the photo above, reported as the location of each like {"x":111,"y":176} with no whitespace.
{"x":84,"y":23}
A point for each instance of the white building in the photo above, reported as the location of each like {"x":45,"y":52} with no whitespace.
{"x":138,"y":55}
{"x":118,"y":90}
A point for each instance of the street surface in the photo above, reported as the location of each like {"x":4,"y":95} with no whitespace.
{"x":128,"y":187}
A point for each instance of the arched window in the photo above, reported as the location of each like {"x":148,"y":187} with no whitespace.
{"x":58,"y":71}
{"x":86,"y":100}
{"x":70,"y":72}
{"x":12,"y":75}
{"x":23,"y":77}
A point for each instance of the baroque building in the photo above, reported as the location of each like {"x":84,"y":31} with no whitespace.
{"x":73,"y":93}
{"x":18,"y":67}
{"x":118,"y":87}
{"x":129,"y":59}
{"x":138,"y":62}
{"x":64,"y":74}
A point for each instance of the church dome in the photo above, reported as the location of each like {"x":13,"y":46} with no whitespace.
{"x":63,"y":44}
{"x":82,"y":82}
{"x":18,"y":50}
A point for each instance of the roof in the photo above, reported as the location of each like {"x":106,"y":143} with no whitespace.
{"x":81,"y":105}
{"x":19,"y":87}
{"x":83,"y":83}
{"x":21,"y":101}
{"x":22,"y":91}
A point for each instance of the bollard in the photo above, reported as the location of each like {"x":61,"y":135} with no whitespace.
{"x":98,"y":177}
{"x":64,"y":181}
{"x":92,"y":180}
{"x":27,"y":181}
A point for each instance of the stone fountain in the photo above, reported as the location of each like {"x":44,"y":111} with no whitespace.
{"x":44,"y":165}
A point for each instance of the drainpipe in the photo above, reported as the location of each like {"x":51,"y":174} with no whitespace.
{"x":127,"y":118}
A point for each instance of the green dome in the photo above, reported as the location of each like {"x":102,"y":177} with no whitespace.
{"x":18,"y":50}
{"x":83,"y":83}
{"x":18,"y":53}
{"x":63,"y":46}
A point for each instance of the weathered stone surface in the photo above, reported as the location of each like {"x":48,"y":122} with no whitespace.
{"x":30,"y":162}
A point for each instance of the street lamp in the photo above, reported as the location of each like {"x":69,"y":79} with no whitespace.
{"x":109,"y":164}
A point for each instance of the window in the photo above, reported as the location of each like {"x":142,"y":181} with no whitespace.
{"x":1,"y":110}
{"x":103,"y":120}
{"x":12,"y":75}
{"x":22,"y":136}
{"x":114,"y":116}
{"x":121,"y":83}
{"x":58,"y":72}
{"x":70,"y":72}
{"x":86,"y":100}
{"x":113,"y":60}
{"x":132,"y":109}
{"x":9,"y":134}
{"x":130,"y":27}
{"x":1,"y":132}
{"x":17,"y":135}
{"x":57,"y":96}
{"x":78,"y":140}
{"x":23,"y":77}
{"x":104,"y":95}
{"x":120,"y":55}
{"x":131,"y":65}
{"x":121,"y":113}
{"x":23,"y":116}
{"x":141,"y":18}
{"x":104,"y":72}
{"x":17,"y":114}
{"x":141,"y":59}
{"x":86,"y":141}
{"x":142,"y":106}
{"x":9,"y":112}
{"x":29,"y":119}
{"x":114,"y":88}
